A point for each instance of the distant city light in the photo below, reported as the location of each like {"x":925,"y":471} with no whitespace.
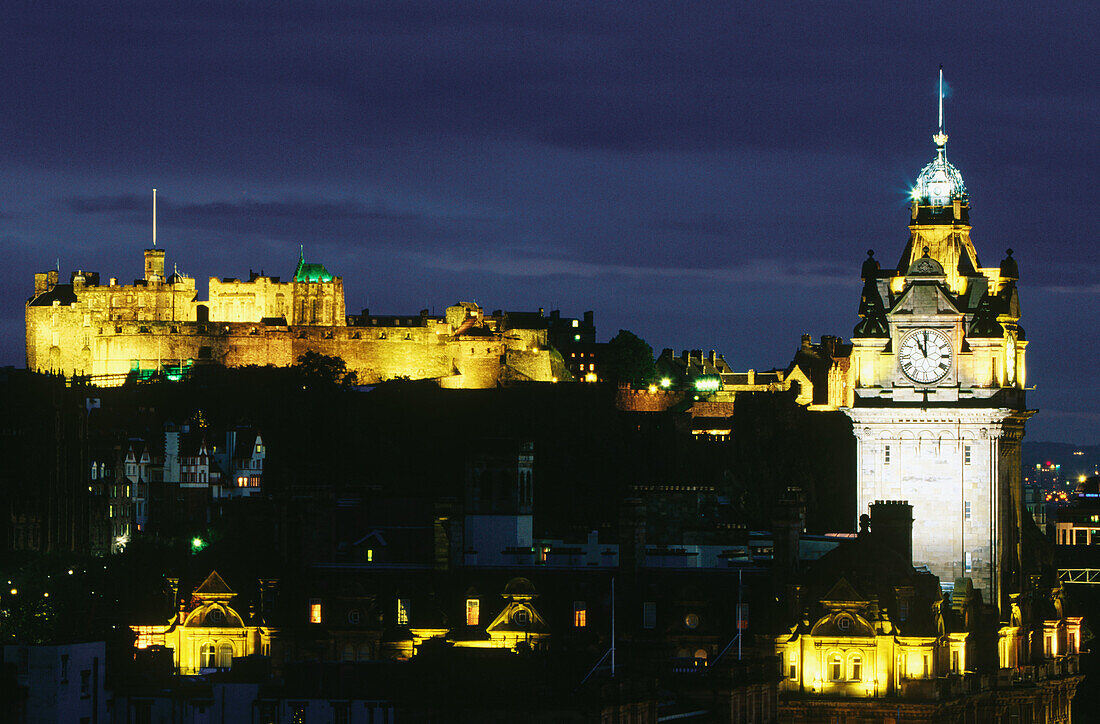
{"x":666,"y":382}
{"x":197,"y":544}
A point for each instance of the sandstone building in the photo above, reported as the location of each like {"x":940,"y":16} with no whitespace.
{"x":159,"y":325}
{"x":937,"y":369}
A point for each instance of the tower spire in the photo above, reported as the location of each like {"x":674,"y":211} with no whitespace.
{"x":154,"y":218}
{"x":940,"y":138}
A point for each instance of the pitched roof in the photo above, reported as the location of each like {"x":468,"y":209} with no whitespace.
{"x":214,"y":586}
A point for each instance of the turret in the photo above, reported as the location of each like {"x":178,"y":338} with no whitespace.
{"x":154,"y":265}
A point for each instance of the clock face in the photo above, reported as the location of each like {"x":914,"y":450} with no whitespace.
{"x":925,"y":355}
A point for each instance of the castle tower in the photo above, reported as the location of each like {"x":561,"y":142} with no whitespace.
{"x":154,"y":265}
{"x":938,"y":371}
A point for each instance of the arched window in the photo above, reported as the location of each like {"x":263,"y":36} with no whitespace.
{"x":700,"y":657}
{"x":225,"y":655}
{"x":206,"y":656}
{"x":364,"y":652}
{"x":855,"y":667}
{"x":348,"y":653}
{"x":836,"y":667}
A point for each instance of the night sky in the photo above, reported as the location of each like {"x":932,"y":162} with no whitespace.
{"x":707,"y":175}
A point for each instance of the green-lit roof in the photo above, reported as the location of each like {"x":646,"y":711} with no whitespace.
{"x":310,"y":272}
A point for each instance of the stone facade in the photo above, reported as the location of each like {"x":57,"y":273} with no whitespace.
{"x":109,"y":331}
{"x":937,"y":370}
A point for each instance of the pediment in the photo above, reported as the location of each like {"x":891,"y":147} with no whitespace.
{"x":926,"y":300}
{"x":843,"y":623}
{"x":518,"y":617}
{"x":213,"y":615}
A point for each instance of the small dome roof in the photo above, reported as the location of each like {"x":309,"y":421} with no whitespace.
{"x":939,"y":183}
{"x":519,"y":587}
{"x":925,"y":266}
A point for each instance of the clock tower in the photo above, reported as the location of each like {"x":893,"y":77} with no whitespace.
{"x":938,"y":374}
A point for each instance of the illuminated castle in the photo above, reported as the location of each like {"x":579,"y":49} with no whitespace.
{"x":158,"y":325}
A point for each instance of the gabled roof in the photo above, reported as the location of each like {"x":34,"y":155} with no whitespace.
{"x":842,"y":592}
{"x":63,"y":294}
{"x":214,"y":587}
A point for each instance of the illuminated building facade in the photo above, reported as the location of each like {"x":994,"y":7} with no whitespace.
{"x":1079,"y":522}
{"x":938,"y":370}
{"x":872,"y":637}
{"x":207,"y":633}
{"x":157,"y":325}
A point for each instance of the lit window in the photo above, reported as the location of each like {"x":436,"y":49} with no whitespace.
{"x":473,"y":611}
{"x":966,"y":454}
{"x":649,"y":614}
{"x":885,"y":454}
{"x":855,"y":668}
{"x":966,"y":510}
{"x":315,"y":610}
{"x":580,"y":614}
{"x":544,"y":554}
{"x":576,"y":338}
{"x":576,"y":323}
{"x":955,"y":662}
{"x":836,"y":667}
{"x":370,"y":555}
{"x":206,"y":656}
{"x":968,"y":562}
{"x":402,"y":611}
{"x":225,"y":656}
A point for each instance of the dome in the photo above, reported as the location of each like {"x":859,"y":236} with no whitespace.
{"x":939,"y":183}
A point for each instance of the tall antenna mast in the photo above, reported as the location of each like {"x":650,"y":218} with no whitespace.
{"x":155,"y":191}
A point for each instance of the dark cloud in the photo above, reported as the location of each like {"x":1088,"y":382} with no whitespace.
{"x":709,"y":174}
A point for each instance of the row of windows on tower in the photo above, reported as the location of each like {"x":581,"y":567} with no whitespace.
{"x":967,"y":456}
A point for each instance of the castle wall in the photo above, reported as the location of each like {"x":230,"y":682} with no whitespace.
{"x":111,"y":330}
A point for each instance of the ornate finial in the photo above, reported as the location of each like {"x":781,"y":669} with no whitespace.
{"x":940,"y":138}
{"x":925,"y":251}
{"x":1008,"y":252}
{"x":871,"y":253}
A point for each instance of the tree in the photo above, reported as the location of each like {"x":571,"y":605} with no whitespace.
{"x":321,"y":370}
{"x":629,"y":360}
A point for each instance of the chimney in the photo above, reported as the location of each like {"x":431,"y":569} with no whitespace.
{"x":788,"y":522}
{"x":588,"y":319}
{"x":713,"y":359}
{"x":892,"y":526}
{"x":807,"y":341}
{"x":632,"y":526}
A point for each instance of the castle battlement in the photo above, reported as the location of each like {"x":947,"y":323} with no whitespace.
{"x":110,"y":331}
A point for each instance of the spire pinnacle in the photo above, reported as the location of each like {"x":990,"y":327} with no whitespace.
{"x":940,"y":138}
